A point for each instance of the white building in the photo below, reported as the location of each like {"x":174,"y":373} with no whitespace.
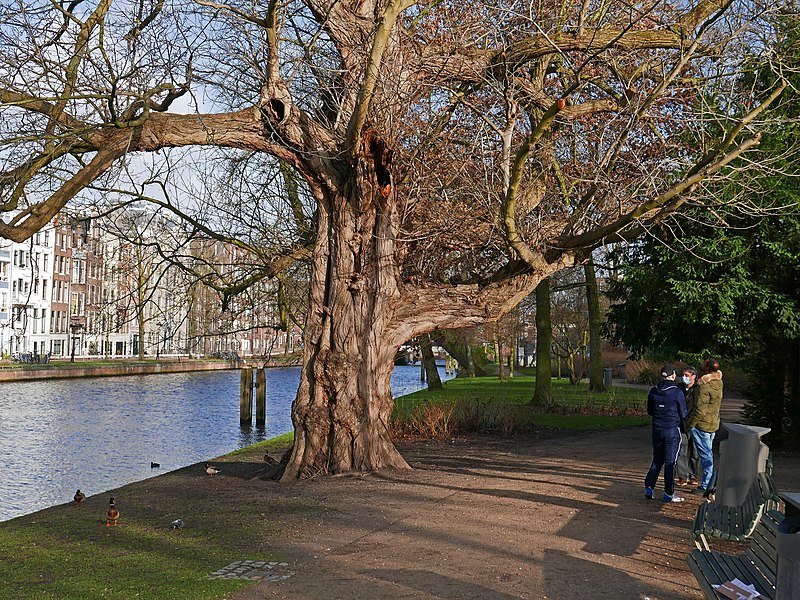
{"x":25,"y":282}
{"x":5,"y":296}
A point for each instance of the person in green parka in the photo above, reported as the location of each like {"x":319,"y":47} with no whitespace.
{"x":703,"y":420}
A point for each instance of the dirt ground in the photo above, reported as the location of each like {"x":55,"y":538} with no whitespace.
{"x":539,"y":515}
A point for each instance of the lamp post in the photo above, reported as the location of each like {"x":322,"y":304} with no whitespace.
{"x":74,"y":326}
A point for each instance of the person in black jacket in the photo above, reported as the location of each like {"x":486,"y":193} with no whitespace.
{"x":688,"y":465}
{"x":667,"y":406}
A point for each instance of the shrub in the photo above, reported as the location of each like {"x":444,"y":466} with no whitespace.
{"x":505,"y":417}
{"x":428,"y":420}
{"x":615,"y":358}
{"x":468,"y":415}
{"x":643,"y":371}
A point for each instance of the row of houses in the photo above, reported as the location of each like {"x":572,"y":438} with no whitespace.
{"x":80,"y":288}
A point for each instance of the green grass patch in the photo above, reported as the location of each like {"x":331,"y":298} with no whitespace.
{"x":274,"y":445}
{"x":486,"y":403}
{"x":67,"y":552}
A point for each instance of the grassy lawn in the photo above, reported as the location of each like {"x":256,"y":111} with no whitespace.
{"x":573,"y":407}
{"x":67,"y":552}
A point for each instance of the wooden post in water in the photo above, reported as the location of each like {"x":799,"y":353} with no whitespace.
{"x":246,"y":397}
{"x":261,"y":397}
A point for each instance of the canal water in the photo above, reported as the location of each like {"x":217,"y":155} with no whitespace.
{"x":100,"y":433}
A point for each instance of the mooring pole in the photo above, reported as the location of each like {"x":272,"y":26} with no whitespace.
{"x":246,"y":397}
{"x":261,"y":397}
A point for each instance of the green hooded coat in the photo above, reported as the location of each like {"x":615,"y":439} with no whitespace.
{"x":704,"y":414}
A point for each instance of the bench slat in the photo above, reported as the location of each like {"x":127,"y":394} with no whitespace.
{"x":747,"y":572}
{"x":758,"y":564}
{"x":735,"y":523}
{"x":705,"y":571}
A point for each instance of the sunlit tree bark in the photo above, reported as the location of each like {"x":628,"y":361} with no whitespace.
{"x":596,"y":383}
{"x":542,"y":393}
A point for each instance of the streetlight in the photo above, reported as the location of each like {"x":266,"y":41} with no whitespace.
{"x":74,"y":326}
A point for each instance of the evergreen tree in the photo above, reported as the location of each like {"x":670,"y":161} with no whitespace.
{"x":734,"y":291}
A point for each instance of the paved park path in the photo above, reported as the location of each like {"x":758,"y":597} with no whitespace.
{"x":540,"y":515}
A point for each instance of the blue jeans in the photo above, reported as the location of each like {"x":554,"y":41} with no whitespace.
{"x":703,"y":443}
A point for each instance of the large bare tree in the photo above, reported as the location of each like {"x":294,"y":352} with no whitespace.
{"x":450,"y":154}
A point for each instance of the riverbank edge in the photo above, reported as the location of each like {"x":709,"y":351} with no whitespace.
{"x":17,"y":374}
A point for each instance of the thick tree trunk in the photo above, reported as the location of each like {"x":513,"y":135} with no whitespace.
{"x":544,"y":341}
{"x":429,"y":362}
{"x":596,"y":383}
{"x":344,"y":403}
{"x":359,"y":315}
{"x":498,"y":358}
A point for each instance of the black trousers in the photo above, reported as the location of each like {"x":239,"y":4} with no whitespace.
{"x":666,"y":445}
{"x":688,"y":464}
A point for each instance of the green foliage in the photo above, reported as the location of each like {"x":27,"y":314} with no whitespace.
{"x":479,"y":356}
{"x":692,"y":289}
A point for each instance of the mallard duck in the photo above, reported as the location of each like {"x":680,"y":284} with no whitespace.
{"x":177,"y":525}
{"x":79,"y":497}
{"x":210,"y":470}
{"x":112,"y":515}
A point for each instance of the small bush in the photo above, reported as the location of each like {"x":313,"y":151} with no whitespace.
{"x":433,"y":421}
{"x":468,"y":415}
{"x":505,"y":417}
{"x":615,"y":359}
{"x":643,"y":371}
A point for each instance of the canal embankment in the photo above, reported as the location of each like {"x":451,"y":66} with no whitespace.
{"x":12,"y":372}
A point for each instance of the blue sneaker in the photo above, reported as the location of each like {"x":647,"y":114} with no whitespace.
{"x":667,"y":498}
{"x":648,"y":493}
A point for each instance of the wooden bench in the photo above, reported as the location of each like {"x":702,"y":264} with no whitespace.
{"x":757,"y":566}
{"x":735,"y":523}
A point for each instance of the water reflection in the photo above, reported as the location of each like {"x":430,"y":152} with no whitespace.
{"x":101,"y":433}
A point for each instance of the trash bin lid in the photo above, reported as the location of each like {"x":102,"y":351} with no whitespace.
{"x":746,"y":429}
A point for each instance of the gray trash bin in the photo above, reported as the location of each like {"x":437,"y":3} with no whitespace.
{"x":788,"y":547}
{"x":607,"y":378}
{"x":742,"y":456}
